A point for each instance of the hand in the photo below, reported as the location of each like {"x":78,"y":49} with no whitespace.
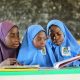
{"x":9,"y":61}
{"x":78,"y":55}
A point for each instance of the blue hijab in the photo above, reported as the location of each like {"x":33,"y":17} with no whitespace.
{"x":30,"y":55}
{"x":69,"y":48}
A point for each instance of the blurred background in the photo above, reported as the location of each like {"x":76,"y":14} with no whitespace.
{"x":27,"y":12}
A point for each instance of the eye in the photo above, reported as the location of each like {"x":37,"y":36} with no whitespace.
{"x":11,"y":35}
{"x":39,"y":39}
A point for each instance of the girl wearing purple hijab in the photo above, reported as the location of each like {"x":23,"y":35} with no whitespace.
{"x":9,"y":43}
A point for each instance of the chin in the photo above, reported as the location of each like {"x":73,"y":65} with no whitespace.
{"x":58,"y":44}
{"x":16,"y":46}
{"x":41,"y":47}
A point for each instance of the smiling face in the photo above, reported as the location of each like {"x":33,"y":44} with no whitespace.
{"x":56,"y":35}
{"x":12,"y":39}
{"x":39,"y":40}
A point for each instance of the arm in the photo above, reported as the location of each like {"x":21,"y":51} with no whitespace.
{"x":1,"y":57}
{"x":8,"y":62}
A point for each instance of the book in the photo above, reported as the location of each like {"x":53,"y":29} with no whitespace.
{"x":20,"y":67}
{"x":63,"y":63}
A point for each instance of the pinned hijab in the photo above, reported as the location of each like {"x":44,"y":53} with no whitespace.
{"x":29,"y":54}
{"x":6,"y":52}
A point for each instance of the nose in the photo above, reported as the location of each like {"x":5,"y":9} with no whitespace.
{"x":17,"y":39}
{"x":55,"y":37}
{"x":43,"y":42}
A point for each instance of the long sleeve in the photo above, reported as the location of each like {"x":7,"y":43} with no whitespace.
{"x":1,"y":57}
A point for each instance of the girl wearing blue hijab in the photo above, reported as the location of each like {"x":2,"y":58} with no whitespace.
{"x":62,"y":43}
{"x":34,"y":51}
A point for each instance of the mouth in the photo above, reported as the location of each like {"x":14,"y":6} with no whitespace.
{"x":42,"y":47}
{"x":16,"y":45}
{"x":58,"y":42}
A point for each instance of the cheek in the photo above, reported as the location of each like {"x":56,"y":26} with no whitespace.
{"x":36,"y":44}
{"x":7,"y":42}
{"x":62,"y":37}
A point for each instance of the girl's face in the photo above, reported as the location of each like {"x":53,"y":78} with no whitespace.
{"x":12,"y":39}
{"x":56,"y":35}
{"x":39,"y":40}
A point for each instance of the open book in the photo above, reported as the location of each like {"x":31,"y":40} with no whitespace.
{"x":65,"y":62}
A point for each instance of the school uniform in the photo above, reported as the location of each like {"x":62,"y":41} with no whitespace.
{"x":30,"y":55}
{"x":69,"y":48}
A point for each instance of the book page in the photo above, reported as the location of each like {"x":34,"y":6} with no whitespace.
{"x":65,"y":62}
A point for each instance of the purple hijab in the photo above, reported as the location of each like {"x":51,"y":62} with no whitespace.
{"x":6,"y":52}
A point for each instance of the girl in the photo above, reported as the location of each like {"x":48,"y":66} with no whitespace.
{"x":9,"y":43}
{"x":34,"y":51}
{"x":61,"y":41}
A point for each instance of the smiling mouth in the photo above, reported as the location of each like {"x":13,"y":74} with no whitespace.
{"x":58,"y":42}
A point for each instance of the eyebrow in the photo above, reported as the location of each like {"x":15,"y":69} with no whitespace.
{"x":56,"y":31}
